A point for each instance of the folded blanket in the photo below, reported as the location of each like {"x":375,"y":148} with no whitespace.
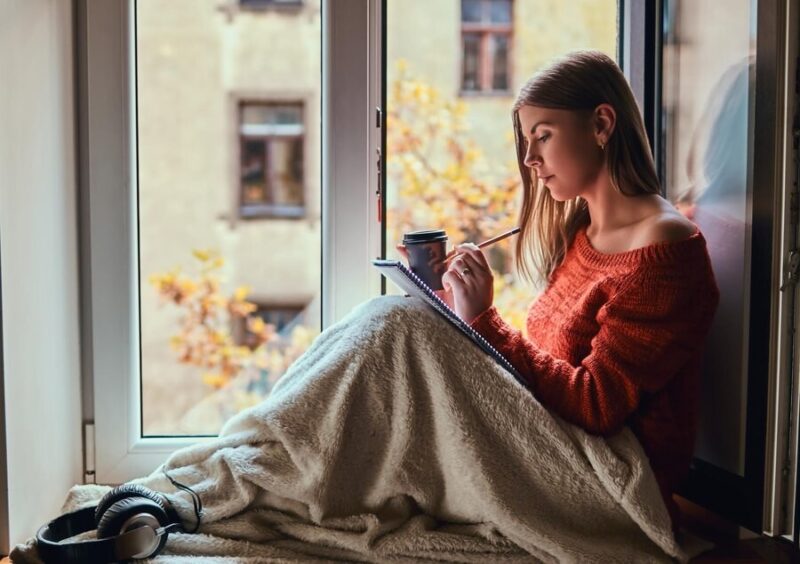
{"x":394,"y":438}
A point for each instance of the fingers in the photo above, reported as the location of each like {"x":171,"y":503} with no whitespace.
{"x":403,"y":251}
{"x":471,"y":286}
{"x":453,"y":283}
{"x":469,"y":269}
{"x":472,"y":250}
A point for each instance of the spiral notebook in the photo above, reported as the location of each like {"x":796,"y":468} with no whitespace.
{"x":409,"y":282}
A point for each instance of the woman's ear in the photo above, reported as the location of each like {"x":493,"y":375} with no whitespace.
{"x":605,"y":119}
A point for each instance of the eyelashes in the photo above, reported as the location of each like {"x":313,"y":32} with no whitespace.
{"x":542,"y":139}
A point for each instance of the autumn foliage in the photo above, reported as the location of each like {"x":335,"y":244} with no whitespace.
{"x":204,"y":338}
{"x":443,"y":181}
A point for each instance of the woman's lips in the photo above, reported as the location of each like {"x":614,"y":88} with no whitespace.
{"x":546,"y":178}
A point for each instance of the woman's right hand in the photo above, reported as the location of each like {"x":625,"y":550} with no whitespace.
{"x":446,"y":294}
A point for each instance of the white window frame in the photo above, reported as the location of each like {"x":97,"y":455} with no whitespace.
{"x":350,"y":231}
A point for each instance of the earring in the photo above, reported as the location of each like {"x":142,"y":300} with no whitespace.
{"x":602,"y":145}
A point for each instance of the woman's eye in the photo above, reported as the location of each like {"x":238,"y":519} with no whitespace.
{"x":543,"y":138}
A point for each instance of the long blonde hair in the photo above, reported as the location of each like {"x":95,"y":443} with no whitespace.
{"x":580,"y":81}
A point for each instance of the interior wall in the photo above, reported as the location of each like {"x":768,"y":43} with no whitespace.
{"x":38,"y":261}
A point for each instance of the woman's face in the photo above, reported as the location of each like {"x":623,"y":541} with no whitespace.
{"x":562,"y":147}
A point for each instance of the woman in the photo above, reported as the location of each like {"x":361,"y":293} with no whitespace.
{"x":617,"y":336}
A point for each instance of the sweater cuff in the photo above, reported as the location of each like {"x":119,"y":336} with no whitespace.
{"x":490,"y":324}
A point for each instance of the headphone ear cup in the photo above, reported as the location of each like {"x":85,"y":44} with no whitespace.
{"x":127,"y":491}
{"x":113,"y":520}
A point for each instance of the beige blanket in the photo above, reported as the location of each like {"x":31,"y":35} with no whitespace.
{"x":395,"y":439}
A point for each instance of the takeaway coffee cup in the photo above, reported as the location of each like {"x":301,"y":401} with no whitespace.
{"x":426,"y":254}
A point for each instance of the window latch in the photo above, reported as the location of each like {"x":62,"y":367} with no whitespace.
{"x":378,"y":189}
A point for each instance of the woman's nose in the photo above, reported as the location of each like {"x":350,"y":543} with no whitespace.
{"x":531,"y":159}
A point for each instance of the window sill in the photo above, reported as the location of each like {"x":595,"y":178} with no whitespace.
{"x":232,"y":8}
{"x":272,"y":212}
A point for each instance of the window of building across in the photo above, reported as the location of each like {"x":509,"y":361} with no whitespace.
{"x":486,"y":34}
{"x":271,"y":137}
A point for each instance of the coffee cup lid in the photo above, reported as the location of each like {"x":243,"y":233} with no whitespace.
{"x":426,"y":236}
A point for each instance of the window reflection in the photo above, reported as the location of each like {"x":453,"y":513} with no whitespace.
{"x":471,"y":10}
{"x":708,"y":100}
{"x":500,"y":11}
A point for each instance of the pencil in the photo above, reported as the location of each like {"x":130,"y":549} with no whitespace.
{"x":452,"y":254}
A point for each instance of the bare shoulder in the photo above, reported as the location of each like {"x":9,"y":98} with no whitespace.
{"x":666,"y":227}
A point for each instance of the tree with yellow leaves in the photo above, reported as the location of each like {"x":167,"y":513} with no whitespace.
{"x":204,"y":337}
{"x":441,"y":181}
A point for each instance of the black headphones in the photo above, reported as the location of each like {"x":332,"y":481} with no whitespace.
{"x":132,"y":523}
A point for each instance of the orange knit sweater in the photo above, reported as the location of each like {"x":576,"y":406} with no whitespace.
{"x":617,"y":339}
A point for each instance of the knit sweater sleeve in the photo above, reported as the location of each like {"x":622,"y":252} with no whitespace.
{"x":647,"y":331}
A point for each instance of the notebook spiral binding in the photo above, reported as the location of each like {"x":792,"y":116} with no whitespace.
{"x":390,"y":268}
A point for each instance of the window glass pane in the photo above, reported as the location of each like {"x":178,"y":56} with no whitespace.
{"x":451,"y":161}
{"x":500,"y":11}
{"x":472,"y":48}
{"x":708,"y":100}
{"x":499,"y":62}
{"x":228,"y":108}
{"x":254,"y":172}
{"x":287,"y":174}
{"x":471,"y":10}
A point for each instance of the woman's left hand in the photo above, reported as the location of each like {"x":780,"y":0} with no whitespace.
{"x":471,"y":281}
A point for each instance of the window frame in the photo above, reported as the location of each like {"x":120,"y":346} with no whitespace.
{"x":639,"y":56}
{"x":265,"y":5}
{"x":108,"y":182}
{"x":486,"y":30}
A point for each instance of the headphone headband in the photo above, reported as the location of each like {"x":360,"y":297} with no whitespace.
{"x":69,"y":525}
{"x":132,"y":522}
{"x":121,"y":547}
